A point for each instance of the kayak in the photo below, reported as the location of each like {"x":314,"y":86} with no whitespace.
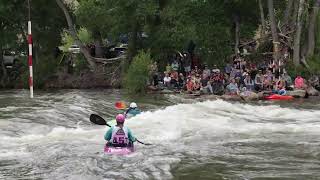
{"x":118,"y":150}
{"x":278,"y":97}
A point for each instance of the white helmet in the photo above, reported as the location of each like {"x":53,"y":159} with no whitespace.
{"x":133,"y":105}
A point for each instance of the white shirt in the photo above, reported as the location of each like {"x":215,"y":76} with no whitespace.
{"x":167,"y":79}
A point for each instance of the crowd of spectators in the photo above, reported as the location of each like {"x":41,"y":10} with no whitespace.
{"x":238,"y":76}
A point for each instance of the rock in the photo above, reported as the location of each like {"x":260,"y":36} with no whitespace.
{"x":312,"y":91}
{"x":152,"y":88}
{"x":231,"y":97}
{"x":249,"y":96}
{"x":298,"y":93}
{"x":167,"y":91}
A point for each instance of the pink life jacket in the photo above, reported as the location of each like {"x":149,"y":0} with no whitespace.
{"x":120,"y":136}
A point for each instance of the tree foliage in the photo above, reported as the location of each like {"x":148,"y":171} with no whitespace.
{"x":163,"y":26}
{"x":138,"y":75}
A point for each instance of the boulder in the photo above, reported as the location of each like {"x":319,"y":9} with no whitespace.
{"x":167,"y":91}
{"x":312,"y":91}
{"x":298,"y":93}
{"x":249,"y":96}
{"x":231,"y":97}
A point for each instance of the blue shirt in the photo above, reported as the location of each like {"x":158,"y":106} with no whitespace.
{"x":132,"y":112}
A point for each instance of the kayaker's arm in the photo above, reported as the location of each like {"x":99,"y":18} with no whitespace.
{"x":108,"y":135}
{"x":131,"y":137}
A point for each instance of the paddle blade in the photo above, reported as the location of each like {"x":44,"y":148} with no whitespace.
{"x":120,"y":105}
{"x":96,"y":119}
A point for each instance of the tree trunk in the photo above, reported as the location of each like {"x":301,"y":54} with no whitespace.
{"x":274,"y":32}
{"x":237,"y":33}
{"x":286,"y":17}
{"x":98,"y":44}
{"x":263,"y":21}
{"x":311,"y":29}
{"x":296,"y":50}
{"x":4,"y":75}
{"x":295,"y":14}
{"x":73,"y":33}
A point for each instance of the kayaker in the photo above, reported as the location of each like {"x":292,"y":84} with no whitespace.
{"x":119,"y":135}
{"x":133,"y":110}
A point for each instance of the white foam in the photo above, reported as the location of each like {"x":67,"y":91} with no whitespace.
{"x":198,"y":128}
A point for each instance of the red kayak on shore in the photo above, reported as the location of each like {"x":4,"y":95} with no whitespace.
{"x":278,"y":97}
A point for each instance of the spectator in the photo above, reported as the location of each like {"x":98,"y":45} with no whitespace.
{"x":268,"y":79}
{"x":299,"y":82}
{"x":228,"y":69}
{"x":217,"y":82}
{"x":215,"y":69}
{"x":287,"y":80}
{"x":197,"y":84}
{"x":206,"y":72}
{"x":154,"y":73}
{"x":181,"y":81}
{"x":248,"y":82}
{"x":280,"y":87}
{"x":190,"y":85}
{"x":280,"y":84}
{"x":205,"y":85}
{"x":233,"y":88}
{"x":167,"y":80}
{"x":175,"y":65}
{"x":181,"y":67}
{"x":196,"y":70}
{"x":258,"y":81}
{"x":314,"y":81}
{"x":174,"y":79}
{"x":187,"y":63}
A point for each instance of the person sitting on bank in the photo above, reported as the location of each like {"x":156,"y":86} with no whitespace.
{"x":288,"y":81}
{"x":299,"y":82}
{"x":190,"y":85}
{"x":167,"y":80}
{"x":258,"y":81}
{"x":280,"y":87}
{"x":248,"y":82}
{"x":233,"y":88}
{"x":205,"y":85}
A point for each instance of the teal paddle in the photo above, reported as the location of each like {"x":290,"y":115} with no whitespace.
{"x":96,"y":119}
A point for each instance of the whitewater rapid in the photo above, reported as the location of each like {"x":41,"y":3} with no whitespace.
{"x":51,"y":138}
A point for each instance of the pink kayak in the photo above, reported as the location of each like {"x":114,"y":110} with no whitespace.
{"x":118,"y":150}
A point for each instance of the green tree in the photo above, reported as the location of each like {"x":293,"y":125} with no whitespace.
{"x":135,"y":81}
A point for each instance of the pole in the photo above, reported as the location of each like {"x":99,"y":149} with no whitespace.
{"x":30,"y":52}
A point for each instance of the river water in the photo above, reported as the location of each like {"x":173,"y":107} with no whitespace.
{"x":50,"y":137}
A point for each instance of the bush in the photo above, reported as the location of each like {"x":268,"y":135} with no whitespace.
{"x":136,"y":79}
{"x":314,"y":63}
{"x":314,"y":67}
{"x":293,"y":70}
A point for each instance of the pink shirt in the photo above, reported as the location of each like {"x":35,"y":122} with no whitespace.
{"x":299,"y":82}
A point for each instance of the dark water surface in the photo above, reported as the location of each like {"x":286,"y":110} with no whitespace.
{"x":50,"y":137}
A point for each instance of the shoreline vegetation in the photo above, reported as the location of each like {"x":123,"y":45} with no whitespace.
{"x":233,"y":49}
